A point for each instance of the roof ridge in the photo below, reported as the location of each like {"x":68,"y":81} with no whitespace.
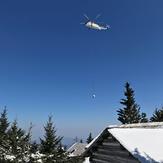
{"x":139,"y":125}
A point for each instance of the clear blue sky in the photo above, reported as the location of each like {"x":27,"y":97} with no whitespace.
{"x":49,"y":63}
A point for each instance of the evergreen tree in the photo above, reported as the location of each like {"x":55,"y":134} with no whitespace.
{"x":61,"y":153}
{"x":4,"y":124}
{"x":81,"y":141}
{"x":89,"y":139}
{"x":50,"y":144}
{"x":19,"y":142}
{"x":34,"y":147}
{"x":34,"y":153}
{"x":130,"y":113}
{"x":76,"y":139}
{"x":157,"y":115}
{"x":144,"y":118}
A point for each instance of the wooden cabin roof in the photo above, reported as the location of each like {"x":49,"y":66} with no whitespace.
{"x":143,"y":141}
{"x":76,"y":149}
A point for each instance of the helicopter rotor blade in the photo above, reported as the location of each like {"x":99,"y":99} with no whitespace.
{"x":97,"y":16}
{"x":86,"y":17}
{"x":82,"y":23}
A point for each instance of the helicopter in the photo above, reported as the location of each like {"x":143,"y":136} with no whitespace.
{"x":93,"y":25}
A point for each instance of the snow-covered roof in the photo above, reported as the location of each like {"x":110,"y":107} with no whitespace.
{"x":143,"y":140}
{"x":139,"y":125}
{"x":145,"y":144}
{"x":94,"y":140}
{"x":76,"y":149}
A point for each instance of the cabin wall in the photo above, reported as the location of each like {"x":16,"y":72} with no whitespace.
{"x":109,"y":150}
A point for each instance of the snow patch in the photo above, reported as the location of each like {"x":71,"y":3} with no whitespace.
{"x":86,"y":160}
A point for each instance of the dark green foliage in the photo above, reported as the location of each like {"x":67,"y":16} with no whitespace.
{"x":51,"y":144}
{"x":61,"y":151}
{"x":144,"y":118}
{"x":89,"y":139}
{"x":18,"y":144}
{"x":4,"y":124}
{"x":5,"y":161}
{"x":76,"y":139}
{"x":157,"y":115}
{"x":130,"y":113}
{"x":34,"y":147}
{"x":13,"y":141}
{"x":18,"y":141}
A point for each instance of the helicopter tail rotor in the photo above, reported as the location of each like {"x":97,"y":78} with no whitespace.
{"x":108,"y":26}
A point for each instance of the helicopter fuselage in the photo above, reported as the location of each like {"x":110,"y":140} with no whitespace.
{"x":93,"y":25}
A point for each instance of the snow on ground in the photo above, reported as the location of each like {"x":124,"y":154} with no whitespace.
{"x":9,"y":157}
{"x":86,"y":160}
{"x":144,"y":143}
